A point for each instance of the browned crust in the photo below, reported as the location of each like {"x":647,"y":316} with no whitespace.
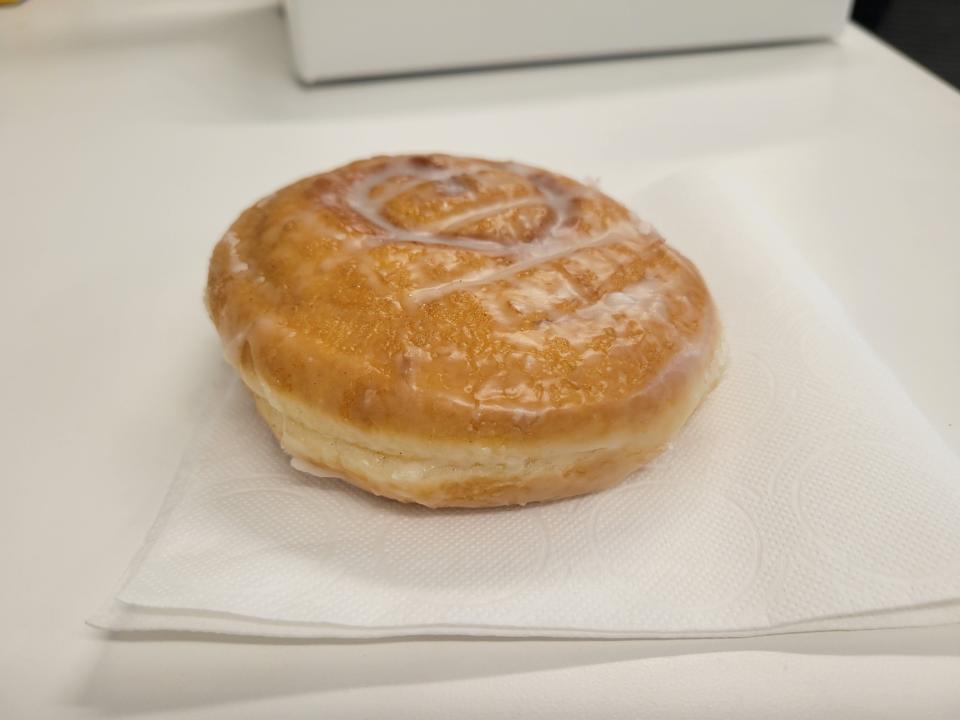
{"x":352,"y":332}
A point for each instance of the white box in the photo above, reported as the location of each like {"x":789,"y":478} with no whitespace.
{"x":339,"y":39}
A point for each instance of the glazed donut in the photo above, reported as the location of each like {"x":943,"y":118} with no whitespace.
{"x":453,"y":331}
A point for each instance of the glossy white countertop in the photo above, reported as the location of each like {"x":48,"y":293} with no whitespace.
{"x":130,"y":135}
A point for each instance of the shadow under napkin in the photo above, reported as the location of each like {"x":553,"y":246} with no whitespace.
{"x":187,"y":670}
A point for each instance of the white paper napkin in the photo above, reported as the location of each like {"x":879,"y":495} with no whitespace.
{"x":807,"y":493}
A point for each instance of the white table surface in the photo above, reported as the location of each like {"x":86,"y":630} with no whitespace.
{"x":130,"y":135}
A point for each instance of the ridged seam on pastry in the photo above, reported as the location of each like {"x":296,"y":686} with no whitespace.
{"x":460,"y":313}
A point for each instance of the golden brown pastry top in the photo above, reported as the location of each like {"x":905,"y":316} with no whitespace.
{"x":453,"y":297}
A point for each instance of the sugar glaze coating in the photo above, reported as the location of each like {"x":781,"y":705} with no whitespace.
{"x":453,"y":319}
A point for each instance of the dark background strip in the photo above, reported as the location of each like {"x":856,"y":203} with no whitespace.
{"x":926,"y":30}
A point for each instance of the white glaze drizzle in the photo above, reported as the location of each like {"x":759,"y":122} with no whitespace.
{"x":236,"y":264}
{"x":533,"y":257}
{"x":359,"y":200}
{"x":642,"y":302}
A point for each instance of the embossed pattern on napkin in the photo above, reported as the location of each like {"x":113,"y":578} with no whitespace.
{"x":806,"y":490}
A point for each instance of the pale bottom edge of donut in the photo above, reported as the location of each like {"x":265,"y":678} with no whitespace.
{"x":436,"y":483}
